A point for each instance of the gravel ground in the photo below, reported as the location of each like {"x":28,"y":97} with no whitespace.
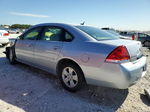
{"x":27,"y":89}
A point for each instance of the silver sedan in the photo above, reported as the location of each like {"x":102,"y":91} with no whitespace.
{"x":80,"y":55}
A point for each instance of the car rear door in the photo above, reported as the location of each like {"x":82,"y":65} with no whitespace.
{"x":24,"y":46}
{"x":48,"y":47}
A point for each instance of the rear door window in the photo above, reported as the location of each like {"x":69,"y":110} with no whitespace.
{"x":68,"y":37}
{"x":52,"y":34}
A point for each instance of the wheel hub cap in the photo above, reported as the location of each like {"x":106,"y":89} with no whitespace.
{"x":69,"y":77}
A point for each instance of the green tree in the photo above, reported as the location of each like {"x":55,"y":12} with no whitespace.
{"x":20,"y":26}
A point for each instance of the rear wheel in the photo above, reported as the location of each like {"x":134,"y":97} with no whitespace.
{"x":71,"y":77}
{"x":12,"y":58}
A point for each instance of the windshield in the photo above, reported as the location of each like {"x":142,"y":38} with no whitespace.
{"x":97,"y":33}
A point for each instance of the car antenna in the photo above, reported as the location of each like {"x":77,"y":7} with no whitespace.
{"x":82,"y":23}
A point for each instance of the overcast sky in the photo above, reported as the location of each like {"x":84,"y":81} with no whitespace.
{"x":119,"y":14}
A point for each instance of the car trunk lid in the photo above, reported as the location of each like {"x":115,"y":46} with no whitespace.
{"x":134,"y":47}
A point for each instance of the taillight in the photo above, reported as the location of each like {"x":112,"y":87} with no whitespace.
{"x":6,"y":34}
{"x":118,"y":54}
{"x":133,"y":37}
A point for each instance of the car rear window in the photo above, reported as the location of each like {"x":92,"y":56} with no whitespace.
{"x":97,"y":33}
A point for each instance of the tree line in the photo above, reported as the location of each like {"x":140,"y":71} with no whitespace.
{"x":20,"y":26}
{"x":17,"y":26}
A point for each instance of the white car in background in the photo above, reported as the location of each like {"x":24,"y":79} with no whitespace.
{"x":4,"y":37}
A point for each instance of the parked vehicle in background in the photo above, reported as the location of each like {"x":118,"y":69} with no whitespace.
{"x":130,"y":35}
{"x":4,"y":37}
{"x":113,"y":32}
{"x":14,"y":31}
{"x":144,"y":38}
{"x":80,"y":55}
{"x":22,"y":30}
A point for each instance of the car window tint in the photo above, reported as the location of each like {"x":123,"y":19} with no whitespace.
{"x":52,"y":34}
{"x":68,"y":37}
{"x":97,"y":33}
{"x":142,"y":35}
{"x":32,"y":34}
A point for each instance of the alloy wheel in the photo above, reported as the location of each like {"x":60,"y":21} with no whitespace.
{"x":70,"y":77}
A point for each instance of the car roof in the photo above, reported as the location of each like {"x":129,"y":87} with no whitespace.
{"x":71,"y":28}
{"x":60,"y":24}
{"x":53,"y":24}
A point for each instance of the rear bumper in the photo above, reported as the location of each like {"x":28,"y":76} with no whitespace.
{"x":119,"y":76}
{"x":134,"y":71}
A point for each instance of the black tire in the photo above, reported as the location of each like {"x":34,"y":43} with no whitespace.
{"x":12,"y":57}
{"x":81,"y":81}
{"x":7,"y":52}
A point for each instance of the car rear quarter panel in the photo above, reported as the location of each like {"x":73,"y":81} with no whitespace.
{"x":90,"y":56}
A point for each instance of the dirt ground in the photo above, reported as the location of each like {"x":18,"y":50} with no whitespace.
{"x":27,"y":89}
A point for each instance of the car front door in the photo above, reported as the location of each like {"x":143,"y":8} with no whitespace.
{"x":48,"y":47}
{"x":25,"y":45}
